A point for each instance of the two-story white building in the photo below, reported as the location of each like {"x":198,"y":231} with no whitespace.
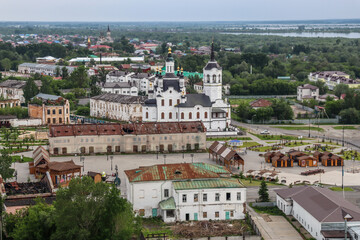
{"x":14,"y":89}
{"x":186,"y":192}
{"x":118,"y":76}
{"x":123,"y":88}
{"x":307,"y":91}
{"x":320,"y":211}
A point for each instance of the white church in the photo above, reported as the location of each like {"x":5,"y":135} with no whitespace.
{"x":168,"y":101}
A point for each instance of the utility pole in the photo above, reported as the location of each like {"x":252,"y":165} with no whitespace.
{"x":343,"y":139}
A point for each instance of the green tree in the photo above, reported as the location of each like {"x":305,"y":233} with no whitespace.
{"x":30,"y":89}
{"x":35,"y":222}
{"x":83,"y":111}
{"x":88,"y":210}
{"x":6,"y":64}
{"x":350,"y":116}
{"x":322,"y":87}
{"x":263,"y":192}
{"x":282,"y":109}
{"x":340,"y":89}
{"x":102,"y":75}
{"x":57,"y":71}
{"x":79,"y":78}
{"x":64,"y":73}
{"x":5,"y":164}
{"x":95,"y":90}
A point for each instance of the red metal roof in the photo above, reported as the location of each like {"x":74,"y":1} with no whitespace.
{"x":178,"y":171}
{"x":260,"y":103}
{"x":126,"y":129}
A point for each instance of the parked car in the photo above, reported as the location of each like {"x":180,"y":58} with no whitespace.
{"x":265,"y":132}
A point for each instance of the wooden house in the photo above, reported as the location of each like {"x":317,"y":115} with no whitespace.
{"x":268,"y":156}
{"x":283,"y":161}
{"x":331,"y":160}
{"x":225,"y":156}
{"x":40,"y":156}
{"x":294,"y":155}
{"x":306,"y":160}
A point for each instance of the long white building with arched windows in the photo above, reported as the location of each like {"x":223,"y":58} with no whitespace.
{"x":168,"y":101}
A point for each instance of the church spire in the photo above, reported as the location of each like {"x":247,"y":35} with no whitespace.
{"x":108,"y":28}
{"x":212,"y":56}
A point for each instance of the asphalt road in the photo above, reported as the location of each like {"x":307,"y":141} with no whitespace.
{"x":351,"y":136}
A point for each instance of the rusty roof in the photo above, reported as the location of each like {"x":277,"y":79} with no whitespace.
{"x":260,"y":103}
{"x":178,"y":171}
{"x":126,"y":129}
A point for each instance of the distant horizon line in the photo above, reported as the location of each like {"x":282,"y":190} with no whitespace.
{"x":183,"y":21}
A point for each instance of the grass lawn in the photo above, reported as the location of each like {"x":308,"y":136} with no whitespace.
{"x":262,"y":149}
{"x":276,"y":137}
{"x":269,"y":210}
{"x":329,"y":143}
{"x":228,"y":138}
{"x":154,"y":226}
{"x":256,"y":183}
{"x":339,"y":189}
{"x":297,"y":144}
{"x":345,"y":127}
{"x":301,"y":128}
{"x":18,"y":159}
{"x":249,"y":144}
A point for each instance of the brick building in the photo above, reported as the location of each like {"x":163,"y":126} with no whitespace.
{"x":50,"y":109}
{"x":126,"y":138}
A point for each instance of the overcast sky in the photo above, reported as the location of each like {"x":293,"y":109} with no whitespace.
{"x":181,"y":10}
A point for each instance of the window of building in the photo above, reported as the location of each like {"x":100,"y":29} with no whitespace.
{"x":170,"y":213}
{"x":206,"y":115}
{"x":190,"y":115}
{"x":54,"y":120}
{"x":146,"y":115}
{"x":231,"y":213}
{"x":54,"y":112}
{"x":196,"y":197}
{"x":142,"y":212}
{"x":214,"y":78}
{"x":204,"y":197}
{"x":67,"y":110}
{"x":217,"y":197}
{"x":166,"y":192}
{"x":170,"y":102}
{"x":141,"y":193}
{"x":238,"y":196}
{"x":162,"y":115}
{"x":184,"y":198}
{"x":154,"y":193}
{"x":162,"y":102}
{"x":170,"y":115}
{"x":208,"y":78}
{"x":60,"y":120}
{"x":198,"y":115}
{"x":60,"y":111}
{"x":228,"y":196}
{"x":48,"y":111}
{"x":182,"y":115}
{"x":204,"y":214}
{"x":178,"y":101}
{"x":217,"y":215}
{"x":48,"y":120}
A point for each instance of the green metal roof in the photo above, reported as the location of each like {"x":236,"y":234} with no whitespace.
{"x":93,"y":56}
{"x":208,"y":183}
{"x":212,"y":168}
{"x":168,"y":204}
{"x":186,"y":74}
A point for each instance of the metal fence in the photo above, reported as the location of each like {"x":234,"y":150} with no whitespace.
{"x":260,"y":96}
{"x":85,"y":119}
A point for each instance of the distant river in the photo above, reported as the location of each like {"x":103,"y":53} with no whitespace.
{"x":306,"y":34}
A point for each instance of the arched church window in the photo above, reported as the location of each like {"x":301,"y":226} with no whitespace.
{"x":182,"y":115}
{"x":208,"y":78}
{"x":170,"y":115}
{"x":190,"y":115}
{"x":214,"y":78}
{"x":205,"y":115}
{"x":198,"y":115}
{"x":162,"y":115}
{"x":219,"y":78}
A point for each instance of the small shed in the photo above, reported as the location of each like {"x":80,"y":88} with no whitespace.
{"x":294,"y":155}
{"x":95,"y":176}
{"x":283,"y":161}
{"x":306,"y":160}
{"x":331,"y":160}
{"x":40,"y":156}
{"x":235,"y":143}
{"x":268,"y":156}
{"x":226,"y":156}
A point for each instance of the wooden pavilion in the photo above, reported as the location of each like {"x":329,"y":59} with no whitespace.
{"x":282,"y":161}
{"x":225,"y":156}
{"x":306,"y":160}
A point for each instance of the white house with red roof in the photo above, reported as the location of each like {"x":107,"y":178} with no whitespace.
{"x":307,"y":91}
{"x":185,"y":192}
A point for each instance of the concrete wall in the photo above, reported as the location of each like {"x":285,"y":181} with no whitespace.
{"x":25,"y":122}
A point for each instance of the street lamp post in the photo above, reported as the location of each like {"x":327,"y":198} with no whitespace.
{"x":353,"y":158}
{"x":347,"y":218}
{"x":343,"y":139}
{"x":192,"y":158}
{"x":309,"y":126}
{"x":157,"y":152}
{"x":111,"y":158}
{"x":183,"y":149}
{"x":164,"y":158}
